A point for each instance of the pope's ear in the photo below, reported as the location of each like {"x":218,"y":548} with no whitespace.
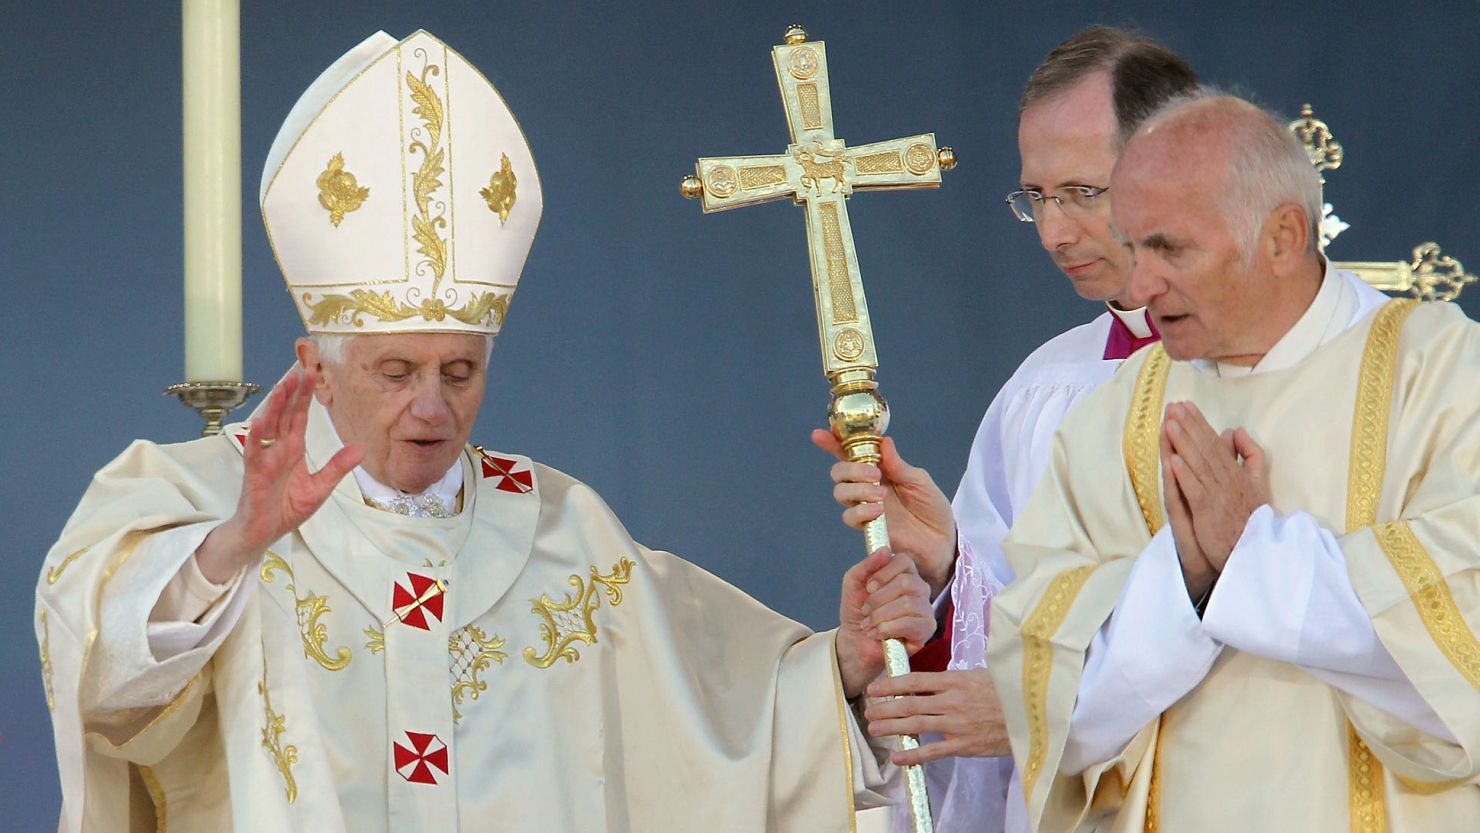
{"x":309,"y":358}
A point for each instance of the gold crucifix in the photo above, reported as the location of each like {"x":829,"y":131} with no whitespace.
{"x":819,"y":172}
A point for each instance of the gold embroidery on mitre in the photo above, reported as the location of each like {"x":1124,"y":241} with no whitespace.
{"x":51,"y":700}
{"x":55,"y":573}
{"x":571,"y":620}
{"x":283,"y":757}
{"x":472,"y":651}
{"x":480,"y":310}
{"x":308,"y":610}
{"x":427,"y":141}
{"x":339,"y":192}
{"x":500,"y":191}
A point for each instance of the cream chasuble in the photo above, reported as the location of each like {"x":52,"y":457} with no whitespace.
{"x":523,"y":665}
{"x":1374,"y":435}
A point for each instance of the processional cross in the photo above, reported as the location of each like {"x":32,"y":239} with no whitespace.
{"x":819,"y":172}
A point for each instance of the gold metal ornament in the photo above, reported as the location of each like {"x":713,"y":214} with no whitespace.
{"x":212,"y":400}
{"x":500,"y":191}
{"x":819,"y":172}
{"x":1430,"y":275}
{"x":339,"y":192}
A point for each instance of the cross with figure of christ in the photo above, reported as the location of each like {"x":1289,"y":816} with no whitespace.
{"x":819,"y":171}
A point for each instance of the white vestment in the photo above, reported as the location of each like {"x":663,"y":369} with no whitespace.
{"x":1008,"y":457}
{"x":522,"y":665}
{"x":1333,"y":684}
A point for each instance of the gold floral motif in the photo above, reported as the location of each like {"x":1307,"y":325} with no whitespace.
{"x":1037,"y":631}
{"x":472,"y":651}
{"x":55,"y":573}
{"x":480,"y":309}
{"x":377,"y":640}
{"x":919,"y":158}
{"x":427,"y":178}
{"x":51,"y":700}
{"x":500,"y":191}
{"x":339,"y":192}
{"x":283,"y":757}
{"x":1370,"y":420}
{"x":571,"y":620}
{"x":308,"y":608}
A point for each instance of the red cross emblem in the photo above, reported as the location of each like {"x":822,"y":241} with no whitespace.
{"x":412,"y":761}
{"x":240,"y":435}
{"x":424,"y":596}
{"x":521,"y":482}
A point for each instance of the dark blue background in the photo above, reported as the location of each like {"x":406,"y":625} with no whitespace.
{"x":665,"y":357}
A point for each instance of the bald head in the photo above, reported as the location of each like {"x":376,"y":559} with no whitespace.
{"x":1220,"y":207}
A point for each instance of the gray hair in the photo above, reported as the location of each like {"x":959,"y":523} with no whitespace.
{"x":1267,"y":165}
{"x":334,"y":346}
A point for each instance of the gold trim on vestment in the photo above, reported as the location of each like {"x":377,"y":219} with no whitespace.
{"x":157,"y":796}
{"x":283,"y":757}
{"x":842,"y":705}
{"x":1367,"y":465}
{"x":1141,"y":445}
{"x":307,"y":610}
{"x":573,"y":619}
{"x":1432,"y":597}
{"x":1142,"y":439}
{"x":55,"y":573}
{"x":1037,"y":629}
{"x":51,"y":699}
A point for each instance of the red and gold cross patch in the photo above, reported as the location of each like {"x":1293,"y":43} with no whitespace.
{"x":416,"y":761}
{"x":509,"y":480}
{"x":424,"y":596}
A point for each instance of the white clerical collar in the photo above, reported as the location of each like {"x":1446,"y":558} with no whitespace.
{"x":446,"y":490}
{"x":1329,"y":315}
{"x":1134,"y":320}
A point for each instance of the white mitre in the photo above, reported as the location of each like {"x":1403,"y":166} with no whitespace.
{"x":400,"y":195}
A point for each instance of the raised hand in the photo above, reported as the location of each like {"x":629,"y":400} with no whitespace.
{"x":919,"y":515}
{"x":1222,"y":479}
{"x":962,"y":706}
{"x":278,"y":491}
{"x":883,"y":598}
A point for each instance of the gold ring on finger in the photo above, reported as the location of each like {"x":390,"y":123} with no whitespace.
{"x":266,"y":442}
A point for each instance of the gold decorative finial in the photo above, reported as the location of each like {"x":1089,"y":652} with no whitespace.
{"x":1325,"y":152}
{"x":796,"y":34}
{"x":691,"y":187}
{"x":946,"y":156}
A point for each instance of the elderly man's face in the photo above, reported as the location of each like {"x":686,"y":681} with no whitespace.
{"x":1067,"y":140}
{"x":1203,"y":294}
{"x":409,"y":398}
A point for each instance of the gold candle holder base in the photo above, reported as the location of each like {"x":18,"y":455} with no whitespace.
{"x":212,"y":400}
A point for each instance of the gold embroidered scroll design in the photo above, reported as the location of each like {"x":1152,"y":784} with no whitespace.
{"x":1432,"y":597}
{"x":427,"y":178}
{"x":811,"y":106}
{"x":761,"y":176}
{"x":51,"y":700}
{"x":308,"y":610}
{"x":1037,"y":631}
{"x":472,"y":651}
{"x":480,"y":309}
{"x":884,"y":162}
{"x":1141,"y":443}
{"x":54,"y":574}
{"x":1141,"y":447}
{"x":283,"y":757}
{"x":569,"y":621}
{"x":500,"y":193}
{"x":377,"y":640}
{"x":1367,"y":465}
{"x":839,"y":287}
{"x":339,"y":192}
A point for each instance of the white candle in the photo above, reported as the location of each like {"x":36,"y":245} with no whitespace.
{"x":213,"y":190}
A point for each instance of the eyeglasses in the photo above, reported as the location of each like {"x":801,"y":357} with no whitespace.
{"x":1028,"y":204}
